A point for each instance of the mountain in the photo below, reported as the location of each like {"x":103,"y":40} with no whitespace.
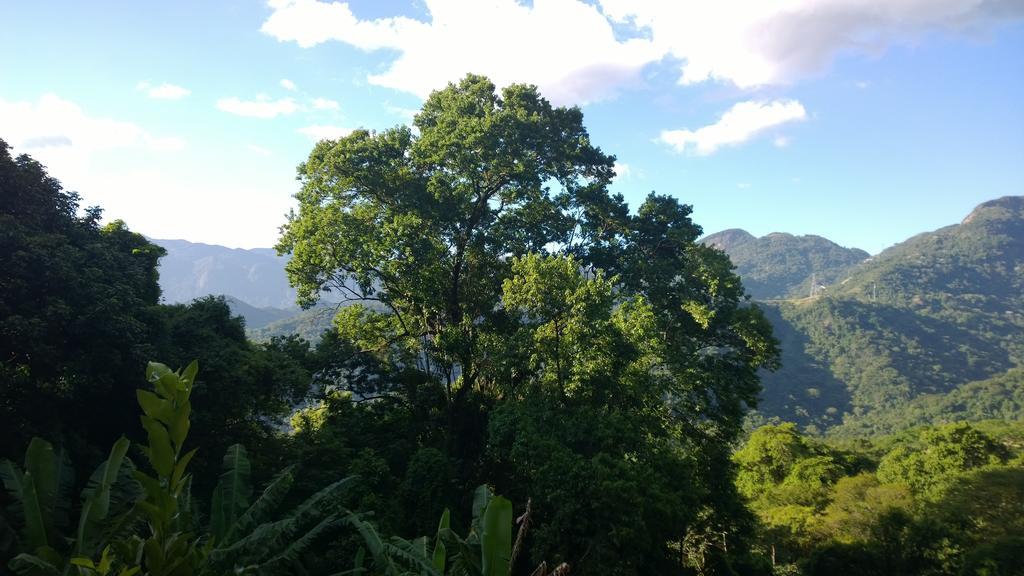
{"x":257,"y":318}
{"x":924,"y":319}
{"x":930,"y":330}
{"x":779,"y":265}
{"x":310,"y":324}
{"x":255,"y":277}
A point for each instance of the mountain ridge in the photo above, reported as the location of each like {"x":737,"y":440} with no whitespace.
{"x":923,"y":318}
{"x":780,"y":265}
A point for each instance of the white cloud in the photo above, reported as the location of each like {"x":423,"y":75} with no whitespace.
{"x":622,"y":170}
{"x":746,"y":42}
{"x":325,"y":104}
{"x":123,"y":167}
{"x":319,"y":132}
{"x":781,"y":141}
{"x":261,"y":107}
{"x":752,"y":42}
{"x":288,"y":84}
{"x":166,"y":144}
{"x":740,"y":123}
{"x":409,"y":114}
{"x":58,"y":131}
{"x":571,"y":64}
{"x":259,"y":150}
{"x":164,"y":91}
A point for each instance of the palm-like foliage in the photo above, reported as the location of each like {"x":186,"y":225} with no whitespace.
{"x":243,"y":537}
{"x":41,"y":503}
{"x":487,"y":550}
{"x":247,"y":537}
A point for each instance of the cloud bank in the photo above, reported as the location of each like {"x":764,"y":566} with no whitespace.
{"x":261,"y":107}
{"x":739,"y":124}
{"x":578,"y":52}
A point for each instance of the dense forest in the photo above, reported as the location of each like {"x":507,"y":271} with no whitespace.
{"x":929,"y":330}
{"x":526,"y":377}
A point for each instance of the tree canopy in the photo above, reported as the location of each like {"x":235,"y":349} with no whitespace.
{"x":482,"y":250}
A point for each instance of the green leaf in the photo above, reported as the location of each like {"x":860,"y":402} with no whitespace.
{"x":41,"y":463}
{"x":35,"y":524}
{"x":32,"y":565}
{"x":189,"y":374}
{"x":179,"y":468}
{"x":65,"y":481}
{"x":155,"y":407}
{"x":440,"y":552}
{"x":96,"y":496}
{"x":481,"y":498}
{"x":155,"y":371}
{"x":261,"y":509}
{"x":161,"y":454}
{"x":12,"y":478}
{"x":231,"y":497}
{"x":496,"y":539}
{"x":179,"y":424}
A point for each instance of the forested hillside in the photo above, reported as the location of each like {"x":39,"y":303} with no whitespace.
{"x":919,"y":320}
{"x":513,"y":325}
{"x":256,"y":277}
{"x":780,"y":265}
{"x":528,"y":377}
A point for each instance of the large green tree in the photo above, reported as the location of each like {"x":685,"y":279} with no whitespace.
{"x":77,"y":310}
{"x":483,"y":251}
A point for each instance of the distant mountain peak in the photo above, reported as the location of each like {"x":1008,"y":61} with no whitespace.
{"x":783,"y":265}
{"x":1000,"y":208}
{"x":728,"y":239}
{"x":254,"y":276}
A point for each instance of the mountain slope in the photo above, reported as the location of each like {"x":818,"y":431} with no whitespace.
{"x":255,"y":277}
{"x":781,"y":265}
{"x":925,"y":317}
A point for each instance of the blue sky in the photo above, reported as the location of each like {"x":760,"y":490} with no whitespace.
{"x":865,"y":121}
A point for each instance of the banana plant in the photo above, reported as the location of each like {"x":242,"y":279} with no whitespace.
{"x":487,"y":550}
{"x":258,"y":538}
{"x":170,"y":547}
{"x":41,"y":502}
{"x":242,"y":537}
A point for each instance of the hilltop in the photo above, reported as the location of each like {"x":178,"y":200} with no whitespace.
{"x":781,"y":265}
{"x":924,"y":318}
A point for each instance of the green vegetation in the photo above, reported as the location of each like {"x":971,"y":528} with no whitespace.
{"x":929,"y":330}
{"x":526,"y":377}
{"x":779,"y":265}
{"x":941,"y":500}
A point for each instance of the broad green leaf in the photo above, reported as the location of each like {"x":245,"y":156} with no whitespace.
{"x":440,"y":552}
{"x":12,"y":478}
{"x":65,"y":481}
{"x":35,"y":525}
{"x":481,"y":498}
{"x":231,"y":497}
{"x":261,"y":509}
{"x":155,"y":407}
{"x":156,"y":370}
{"x":32,"y":565}
{"x":180,"y":424}
{"x":189,"y":374}
{"x":179,"y":468}
{"x":496,"y":539}
{"x":41,"y":463}
{"x":161,"y":454}
{"x":96,"y":496}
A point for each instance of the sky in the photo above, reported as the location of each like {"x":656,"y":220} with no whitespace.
{"x":864,"y":121}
